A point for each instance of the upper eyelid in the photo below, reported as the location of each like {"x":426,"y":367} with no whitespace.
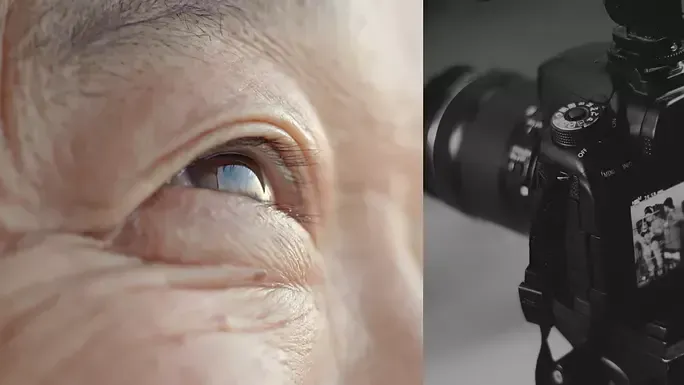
{"x":250,"y":142}
{"x":290,"y":155}
{"x":285,"y":156}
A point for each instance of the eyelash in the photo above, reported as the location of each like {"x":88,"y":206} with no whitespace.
{"x":286,"y":157}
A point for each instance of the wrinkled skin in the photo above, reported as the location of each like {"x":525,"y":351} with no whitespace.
{"x":108,"y":275}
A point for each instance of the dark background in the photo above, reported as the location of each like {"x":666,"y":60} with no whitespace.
{"x":474,"y":331}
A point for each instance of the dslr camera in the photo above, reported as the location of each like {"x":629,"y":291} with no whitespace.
{"x":589,"y":161}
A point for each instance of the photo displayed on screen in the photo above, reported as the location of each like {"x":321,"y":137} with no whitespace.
{"x":658,"y":232}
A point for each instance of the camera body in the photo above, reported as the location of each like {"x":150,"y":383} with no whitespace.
{"x":606,"y":150}
{"x":587,"y":160}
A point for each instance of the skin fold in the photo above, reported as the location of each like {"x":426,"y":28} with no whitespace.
{"x":110,"y":275}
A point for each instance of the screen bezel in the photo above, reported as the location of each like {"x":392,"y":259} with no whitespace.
{"x":659,"y":294}
{"x":613,"y":266}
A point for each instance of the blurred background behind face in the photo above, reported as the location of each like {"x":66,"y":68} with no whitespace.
{"x":474,"y":330}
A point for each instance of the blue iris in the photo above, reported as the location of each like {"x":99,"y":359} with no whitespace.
{"x":240,"y":179}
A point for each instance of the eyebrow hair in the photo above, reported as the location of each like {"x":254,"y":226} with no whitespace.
{"x":102,"y":18}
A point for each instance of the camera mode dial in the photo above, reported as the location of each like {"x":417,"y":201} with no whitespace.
{"x":572,"y":124}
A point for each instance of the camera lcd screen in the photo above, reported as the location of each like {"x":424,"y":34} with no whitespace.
{"x":658,"y":233}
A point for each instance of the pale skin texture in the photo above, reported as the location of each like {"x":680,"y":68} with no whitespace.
{"x":110,"y":276}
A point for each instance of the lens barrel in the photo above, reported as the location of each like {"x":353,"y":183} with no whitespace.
{"x":480,"y":140}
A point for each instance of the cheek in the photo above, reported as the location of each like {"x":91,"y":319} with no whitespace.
{"x":125,"y":323}
{"x":173,"y":299}
{"x":162,"y":337}
{"x":201,"y":227}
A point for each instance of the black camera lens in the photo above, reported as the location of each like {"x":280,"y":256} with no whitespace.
{"x":480,"y":142}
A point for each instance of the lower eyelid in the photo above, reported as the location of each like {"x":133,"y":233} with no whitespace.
{"x":202,"y":227}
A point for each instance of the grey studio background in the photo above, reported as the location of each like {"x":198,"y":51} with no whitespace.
{"x":475,"y":333}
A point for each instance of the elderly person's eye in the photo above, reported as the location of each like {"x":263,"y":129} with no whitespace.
{"x":268,"y":171}
{"x":231,"y":172}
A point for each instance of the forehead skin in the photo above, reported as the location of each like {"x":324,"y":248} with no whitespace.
{"x":81,"y":92}
{"x":356,"y":64}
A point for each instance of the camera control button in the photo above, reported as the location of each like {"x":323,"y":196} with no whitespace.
{"x":572,"y":124}
{"x":577,"y":113}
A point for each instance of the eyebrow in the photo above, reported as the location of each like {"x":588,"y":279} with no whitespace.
{"x":103,"y":18}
